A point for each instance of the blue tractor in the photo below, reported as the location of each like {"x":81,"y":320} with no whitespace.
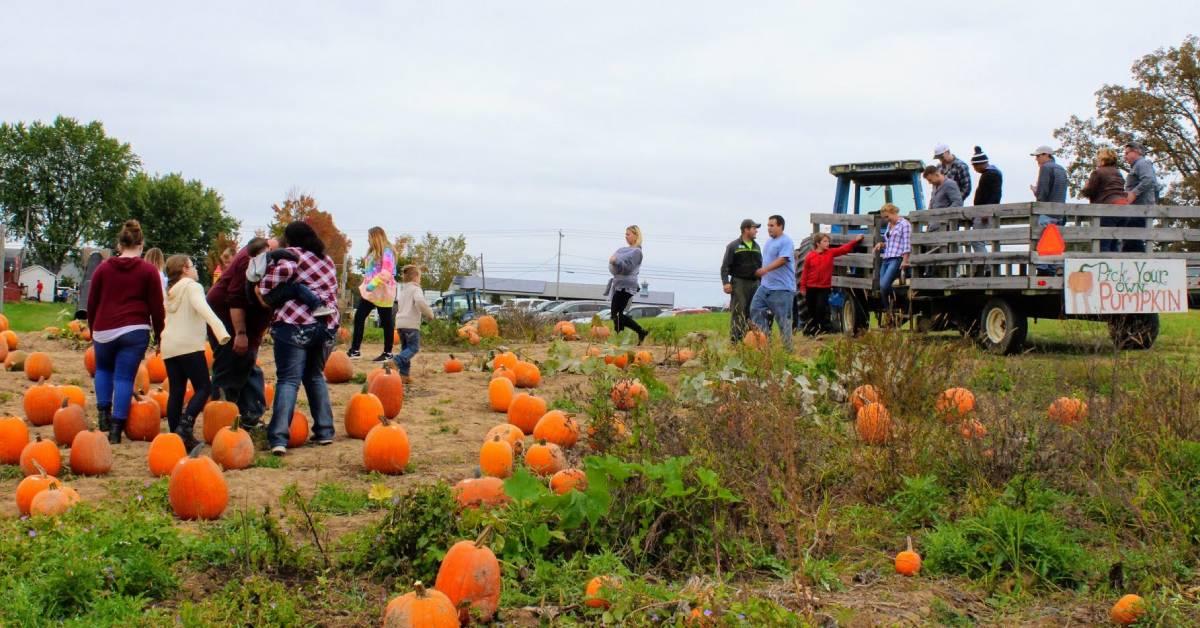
{"x":863,"y":188}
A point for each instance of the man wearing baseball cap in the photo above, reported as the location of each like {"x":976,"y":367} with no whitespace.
{"x":742,"y":257}
{"x":954,"y":168}
{"x":1051,"y":187}
{"x":1141,"y":188}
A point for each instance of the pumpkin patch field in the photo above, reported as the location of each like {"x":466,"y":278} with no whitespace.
{"x":568,"y":477}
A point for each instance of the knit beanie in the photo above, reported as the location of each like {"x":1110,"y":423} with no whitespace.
{"x":979,"y":157}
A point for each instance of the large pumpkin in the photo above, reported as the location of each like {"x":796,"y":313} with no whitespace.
{"x":41,"y":455}
{"x":643,"y":358}
{"x":420,"y":609}
{"x":487,"y":326}
{"x":500,"y":394}
{"x":338,"y":368}
{"x":156,"y":369}
{"x":14,"y":435}
{"x":197,"y":488}
{"x":166,"y":450}
{"x":386,"y":448}
{"x":38,"y":366}
{"x":528,"y":375}
{"x":68,"y":421}
{"x":600,"y":332}
{"x":389,"y":387}
{"x":874,"y":424}
{"x":218,"y":413}
{"x":545,"y":459}
{"x":558,"y":428}
{"x":362,"y":414}
{"x":3,"y":323}
{"x":90,"y":453}
{"x":232,"y":448}
{"x":627,"y":394}
{"x":525,"y":410}
{"x":476,"y":492}
{"x":470,"y":578}
{"x":496,"y":457}
{"x":41,"y":401}
{"x":145,"y":419}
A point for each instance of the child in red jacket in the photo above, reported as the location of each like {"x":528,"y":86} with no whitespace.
{"x":816,"y":280}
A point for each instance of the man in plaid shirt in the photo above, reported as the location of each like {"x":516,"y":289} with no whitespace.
{"x":954,"y":168}
{"x":302,"y":340}
{"x":896,"y":245}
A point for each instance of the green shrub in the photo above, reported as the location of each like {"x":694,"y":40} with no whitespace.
{"x":250,"y":601}
{"x":920,"y":503}
{"x":409,"y":540}
{"x":250,"y":541}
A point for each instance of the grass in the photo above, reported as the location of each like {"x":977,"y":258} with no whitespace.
{"x":29,"y":316}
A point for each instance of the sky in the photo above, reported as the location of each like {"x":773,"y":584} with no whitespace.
{"x":510,"y":121}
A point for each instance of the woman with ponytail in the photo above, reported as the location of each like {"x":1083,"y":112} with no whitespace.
{"x":377,"y":291}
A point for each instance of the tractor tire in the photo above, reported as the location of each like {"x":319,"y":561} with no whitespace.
{"x":852,"y":318}
{"x":1133,"y":331}
{"x":1002,"y":327}
{"x":800,"y":306}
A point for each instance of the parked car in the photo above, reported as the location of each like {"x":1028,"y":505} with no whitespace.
{"x":526,"y":304}
{"x":635,"y":311}
{"x":683,"y":311}
{"x":569,"y":310}
{"x":545,"y":305}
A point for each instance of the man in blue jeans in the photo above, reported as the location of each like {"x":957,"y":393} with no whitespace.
{"x":777,"y":292}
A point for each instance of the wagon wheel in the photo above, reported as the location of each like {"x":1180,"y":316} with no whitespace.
{"x":1002,"y":327}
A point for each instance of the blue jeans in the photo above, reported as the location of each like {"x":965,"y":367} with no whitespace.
{"x":779,"y":303}
{"x":889,"y":271}
{"x":1044,"y":220}
{"x":410,"y":344}
{"x":300,"y":353}
{"x":117,"y":364}
{"x":1133,"y":246}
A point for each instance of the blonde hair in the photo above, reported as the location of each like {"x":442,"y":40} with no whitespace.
{"x":155,"y":258}
{"x":889,"y":208}
{"x":410,"y":272}
{"x":377,"y":242}
{"x":1106,"y":157}
{"x":637,"y":235}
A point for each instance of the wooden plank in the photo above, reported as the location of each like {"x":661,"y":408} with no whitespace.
{"x":837,"y":239}
{"x":1151,"y":234}
{"x":1005,"y":210}
{"x":842,"y":219}
{"x":1002,"y":257}
{"x":971,"y":283}
{"x":1192,"y":257}
{"x":1131,"y":211}
{"x":855,"y":260}
{"x":1002,"y":234}
{"x":853,"y":282}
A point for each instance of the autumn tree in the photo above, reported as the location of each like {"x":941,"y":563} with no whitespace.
{"x":304,"y":207}
{"x":441,"y":260}
{"x":1161,"y":109}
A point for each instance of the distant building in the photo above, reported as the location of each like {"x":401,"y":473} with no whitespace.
{"x":499,"y":289}
{"x":31,"y":275}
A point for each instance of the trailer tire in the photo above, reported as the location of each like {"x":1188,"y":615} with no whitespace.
{"x":1002,"y":327}
{"x":1133,"y":331}
{"x":799,"y":304}
{"x":852,"y":317}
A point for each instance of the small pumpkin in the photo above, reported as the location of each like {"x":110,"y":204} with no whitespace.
{"x":41,"y":455}
{"x":90,"y":453}
{"x":218,"y":413}
{"x":269,"y":394}
{"x":161,"y":397}
{"x":156,"y":369}
{"x":15,"y":360}
{"x":955,"y":403}
{"x":545,"y":459}
{"x":54,"y":500}
{"x":505,"y":373}
{"x":232,"y":448}
{"x":525,"y":410}
{"x":506,"y":359}
{"x":558,"y":428}
{"x":41,"y":401}
{"x":874,"y":424}
{"x":141,"y":381}
{"x":338,"y":367}
{"x":362,"y":414}
{"x":453,"y":365}
{"x":593,"y":352}
{"x":389,"y":387}
{"x":1128,"y":609}
{"x":863,"y":395}
{"x":496,"y":458}
{"x":14,"y":435}
{"x":568,"y":480}
{"x":500,"y":394}
{"x":166,"y":450}
{"x":643,"y":358}
{"x":3,"y":323}
{"x":197,"y":488}
{"x":145,"y":419}
{"x":593,"y":593}
{"x":484,"y":491}
{"x":298,"y":430}
{"x":908,"y":562}
{"x":755,"y":339}
{"x":68,"y":421}
{"x":38,"y":366}
{"x":420,"y":608}
{"x":1066,"y":410}
{"x":683,"y":356}
{"x":566,"y":329}
{"x":343,"y":335}
{"x":600,"y":332}
{"x":487,"y":327}
{"x":10,"y":337}
{"x":89,"y":361}
{"x":528,"y":375}
{"x":508,"y":433}
{"x":30,"y":486}
{"x":73,"y":394}
{"x":627,"y":394}
{"x":470,"y":577}
{"x":386,"y":448}
{"x":972,"y":429}
{"x":620,"y":360}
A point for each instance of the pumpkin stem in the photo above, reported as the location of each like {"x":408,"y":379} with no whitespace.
{"x":910,"y":544}
{"x":383,"y":420}
{"x":195,"y":452}
{"x":484,"y":536}
{"x":420,"y":589}
{"x":66,"y":402}
{"x":237,"y":423}
{"x":37,"y":465}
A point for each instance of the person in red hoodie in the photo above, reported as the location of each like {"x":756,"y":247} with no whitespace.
{"x":816,"y":280}
{"x":125,"y":305}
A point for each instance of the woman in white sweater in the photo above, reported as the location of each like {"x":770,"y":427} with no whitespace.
{"x":182,"y":346}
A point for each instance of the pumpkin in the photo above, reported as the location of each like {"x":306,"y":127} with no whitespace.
{"x":15,"y":361}
{"x":972,"y":429}
{"x":593,"y":352}
{"x":508,"y":433}
{"x":14,"y":435}
{"x":545,"y":459}
{"x":568,"y":480}
{"x":85,"y":335}
{"x":873,"y":424}
{"x":375,"y":372}
{"x":269,"y":394}
{"x":75,"y":326}
{"x":54,"y":500}
{"x":73,"y":394}
{"x":755,"y":339}
{"x":232,"y":448}
{"x":683,"y":356}
{"x":161,"y":397}
{"x":863,"y":395}
{"x":1064,"y":410}
{"x":453,"y":365}
{"x":10,"y":337}
{"x":643,"y":358}
{"x":528,"y":375}
{"x":473,"y":338}
{"x":362,"y":414}
{"x":596,"y":586}
{"x":476,"y":492}
{"x":90,"y":453}
{"x":505,"y":373}
{"x":338,"y":368}
{"x":209,"y":358}
{"x":908,"y":562}
{"x":41,"y":402}
{"x":89,"y":361}
{"x":500,"y":394}
{"x":41,"y":454}
{"x":298,"y":430}
{"x":1128,"y":609}
{"x":3,"y":351}
{"x":38,"y":366}
{"x":156,"y":369}
{"x":389,"y":387}
{"x":51,"y":331}
{"x":628,"y":393}
{"x":145,"y":419}
{"x":218,"y":413}
{"x":30,"y":486}
{"x":141,"y":382}
{"x":3,"y":323}
{"x":166,"y":450}
{"x":621,"y":360}
{"x":525,"y":410}
{"x":955,"y":403}
{"x":487,"y":327}
{"x":343,"y":335}
{"x":68,"y":421}
{"x":566,"y":329}
{"x":386,"y":448}
{"x":420,"y":609}
{"x":599,"y":333}
{"x":496,"y":457}
{"x":507,"y":360}
{"x":558,"y":428}
{"x":470,"y":577}
{"x":197,"y":488}
{"x":618,"y":431}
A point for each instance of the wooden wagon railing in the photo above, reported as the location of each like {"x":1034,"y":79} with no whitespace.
{"x":941,"y":258}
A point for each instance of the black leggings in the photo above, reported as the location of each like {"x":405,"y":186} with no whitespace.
{"x":386,"y":321}
{"x":621,"y":320}
{"x":181,"y":369}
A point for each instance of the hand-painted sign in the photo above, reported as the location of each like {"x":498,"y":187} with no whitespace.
{"x":1125,"y":286}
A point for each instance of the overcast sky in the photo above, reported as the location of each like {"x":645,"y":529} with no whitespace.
{"x":510,"y":120}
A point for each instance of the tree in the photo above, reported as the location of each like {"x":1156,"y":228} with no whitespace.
{"x":60,"y":178}
{"x":441,"y":260}
{"x":220,"y":243}
{"x":304,"y":207}
{"x":1162,"y":110}
{"x":177,"y":216}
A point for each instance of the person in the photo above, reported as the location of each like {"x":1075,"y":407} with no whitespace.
{"x":1141,"y":189}
{"x":991,"y":182}
{"x":302,"y":342}
{"x":1051,"y":187}
{"x":1106,"y":185}
{"x":182,"y":349}
{"x":816,"y":280}
{"x":293,"y":290}
{"x":235,"y":370}
{"x":896,"y":247}
{"x":954,"y":168}
{"x":223,"y":263}
{"x":40,"y":287}
{"x":777,"y":291}
{"x":125,"y":306}
{"x":410,"y":309}
{"x":624,"y":266}
{"x":155,"y":258}
{"x":742,"y":257}
{"x":945,"y":190}
{"x":377,"y":291}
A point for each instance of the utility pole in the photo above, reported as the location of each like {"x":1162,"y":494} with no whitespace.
{"x":558,"y":272}
{"x":3,"y":261}
{"x":483,"y":273}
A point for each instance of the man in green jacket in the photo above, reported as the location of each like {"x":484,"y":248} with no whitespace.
{"x":742,"y":257}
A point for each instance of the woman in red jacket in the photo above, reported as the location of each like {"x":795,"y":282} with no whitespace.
{"x":816,"y":280}
{"x":125,"y":304}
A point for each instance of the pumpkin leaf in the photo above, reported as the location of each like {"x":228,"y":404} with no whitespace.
{"x":380,"y":492}
{"x":524,"y":486}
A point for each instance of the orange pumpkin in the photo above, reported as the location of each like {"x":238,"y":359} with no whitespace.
{"x":487,"y":327}
{"x":643,"y":358}
{"x":38,"y":366}
{"x":470,"y":577}
{"x":41,"y":401}
{"x":955,"y":403}
{"x":298,"y":430}
{"x":30,"y":486}
{"x":507,"y":360}
{"x":389,"y":387}
{"x":68,"y":421}
{"x":545,"y":459}
{"x":620,"y":360}
{"x":54,"y":500}
{"x":3,"y":323}
{"x":452,"y":365}
{"x":874,"y":424}
{"x":208,"y":355}
{"x":156,"y":369}
{"x":420,"y":609}
{"x":500,"y":394}
{"x":972,"y":429}
{"x":145,"y":419}
{"x":362,"y":414}
{"x":476,"y":492}
{"x":1064,"y":411}
{"x":568,"y":480}
{"x":161,"y":397}
{"x":599,"y":333}
{"x":755,"y":339}
{"x":44,"y":453}
{"x":269,"y":394}
{"x":343,"y":335}
{"x":595,"y":587}
{"x":627,"y":394}
{"x":508,"y":433}
{"x":15,"y":360}
{"x":682,"y":356}
{"x":525,"y":410}
{"x":593,"y":351}
{"x":505,"y":373}
{"x":233,"y":448}
{"x":1128,"y":609}
{"x":10,"y":337}
{"x":386,"y":448}
{"x":14,"y":435}
{"x":4,"y":352}
{"x":528,"y":375}
{"x":496,"y":457}
{"x":558,"y":428}
{"x":197,"y":488}
{"x":73,"y":394}
{"x":908,"y":562}
{"x":863,"y":395}
{"x":218,"y":413}
{"x":166,"y":450}
{"x":141,"y":382}
{"x":90,"y":453}
{"x":338,"y":368}
{"x":566,"y":329}
{"x":89,"y":361}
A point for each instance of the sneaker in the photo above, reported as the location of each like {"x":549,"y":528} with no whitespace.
{"x":354,"y":354}
{"x":383,"y":357}
{"x":323,"y":311}
{"x":325,"y":441}
{"x":278,"y":450}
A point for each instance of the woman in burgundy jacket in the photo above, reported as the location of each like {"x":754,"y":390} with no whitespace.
{"x":125,"y":304}
{"x":816,"y":280}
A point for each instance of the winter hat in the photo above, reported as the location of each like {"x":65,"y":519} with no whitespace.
{"x":979,"y":157}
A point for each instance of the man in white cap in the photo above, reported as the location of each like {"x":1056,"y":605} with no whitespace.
{"x":1051,"y":187}
{"x":954,"y":168}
